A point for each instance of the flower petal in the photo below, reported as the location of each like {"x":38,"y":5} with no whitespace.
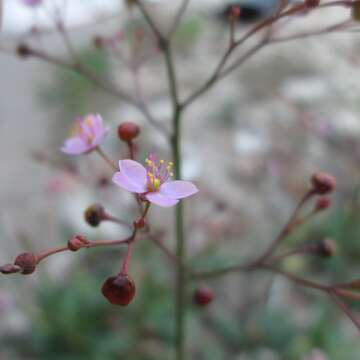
{"x":161,"y":200}
{"x":100,"y":136}
{"x":134,"y":171}
{"x":178,"y":189}
{"x":123,"y":181}
{"x":75,"y":146}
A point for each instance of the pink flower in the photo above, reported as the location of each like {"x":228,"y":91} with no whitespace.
{"x":152,"y":182}
{"x":87,"y":133}
{"x":31,"y":2}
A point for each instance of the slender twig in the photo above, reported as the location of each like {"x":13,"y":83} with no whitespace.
{"x":344,"y":308}
{"x":178,"y":17}
{"x":101,"y":83}
{"x":286,"y":229}
{"x":149,"y":20}
{"x":219,"y":72}
{"x":46,"y":253}
{"x":106,"y":158}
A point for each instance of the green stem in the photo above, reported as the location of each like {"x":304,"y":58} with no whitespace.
{"x":180,"y":303}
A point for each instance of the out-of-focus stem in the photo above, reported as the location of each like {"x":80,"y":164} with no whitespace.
{"x":106,"y":158}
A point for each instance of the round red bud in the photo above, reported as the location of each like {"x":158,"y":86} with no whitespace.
{"x":327,"y":248}
{"x":323,"y":183}
{"x":119,"y":290}
{"x":312,"y":3}
{"x":128,"y":131}
{"x":77,"y":242}
{"x":27,"y":262}
{"x":203,"y":296}
{"x":94,"y":214}
{"x":323,"y":203}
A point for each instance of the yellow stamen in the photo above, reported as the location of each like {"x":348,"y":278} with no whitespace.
{"x":156,"y":184}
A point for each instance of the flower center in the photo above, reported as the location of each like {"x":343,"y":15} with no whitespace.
{"x":157,"y":171}
{"x":84,"y":129}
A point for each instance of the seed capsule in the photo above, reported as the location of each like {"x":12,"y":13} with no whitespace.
{"x":323,"y":183}
{"x":128,"y":131}
{"x":119,"y":290}
{"x":203,"y":296}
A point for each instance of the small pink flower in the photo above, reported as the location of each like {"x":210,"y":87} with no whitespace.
{"x":87,"y":133}
{"x":31,"y":2}
{"x":152,"y":182}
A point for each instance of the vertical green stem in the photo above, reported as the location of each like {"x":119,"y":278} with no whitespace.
{"x":180,"y":299}
{"x":180,"y":247}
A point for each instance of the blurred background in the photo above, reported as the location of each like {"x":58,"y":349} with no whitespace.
{"x":250,"y":144}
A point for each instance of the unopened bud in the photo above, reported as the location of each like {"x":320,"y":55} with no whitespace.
{"x":119,"y":290}
{"x":323,"y":183}
{"x":10,"y":269}
{"x":312,"y":3}
{"x":77,"y":242}
{"x":323,"y":203}
{"x":27,"y":262}
{"x":94,"y":214}
{"x":327,"y":248}
{"x":23,"y":51}
{"x":128,"y":131}
{"x":203,"y":296}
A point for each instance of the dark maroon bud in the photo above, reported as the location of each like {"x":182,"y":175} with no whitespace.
{"x":323,"y":183}
{"x":94,"y":214}
{"x":323,"y":203}
{"x":77,"y":242}
{"x":327,"y":248}
{"x":128,"y":131}
{"x":23,"y":51}
{"x":10,"y":269}
{"x":203,"y":296}
{"x":27,"y":262}
{"x":312,"y":3}
{"x":119,"y":290}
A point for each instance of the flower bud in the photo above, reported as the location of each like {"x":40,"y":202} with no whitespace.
{"x":327,"y":248}
{"x":128,"y":131}
{"x":119,"y":290}
{"x":312,"y":3}
{"x":10,"y":269}
{"x":23,"y":51}
{"x":323,"y":183}
{"x":77,"y":242}
{"x":203,"y":296}
{"x":27,"y":262}
{"x":323,"y":203}
{"x":94,"y":214}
